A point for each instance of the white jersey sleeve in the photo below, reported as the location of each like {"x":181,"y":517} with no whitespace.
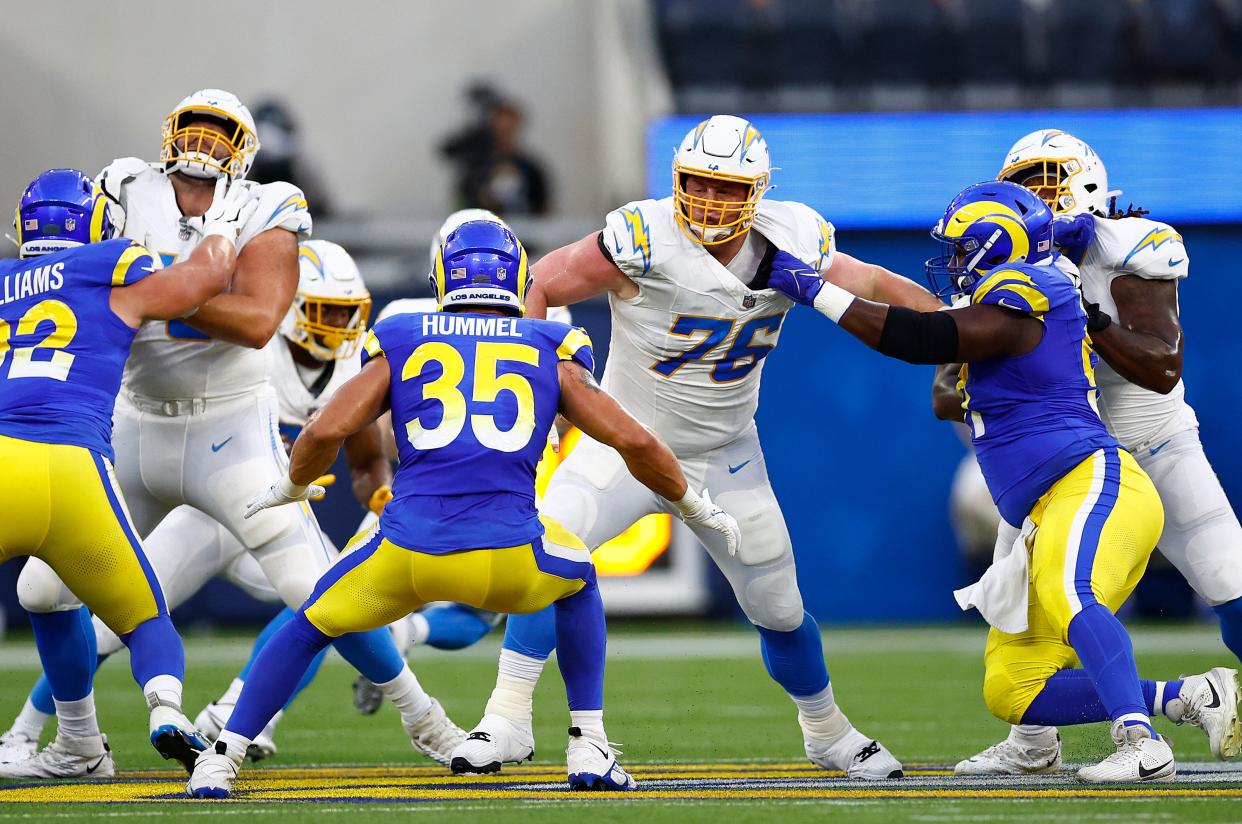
{"x":281,"y":206}
{"x":113,"y":180}
{"x":629,"y":238}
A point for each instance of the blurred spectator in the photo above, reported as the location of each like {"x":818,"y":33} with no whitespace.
{"x":280,"y":156}
{"x":493,"y":171}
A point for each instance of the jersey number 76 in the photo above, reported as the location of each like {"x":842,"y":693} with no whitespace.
{"x":738,"y":360}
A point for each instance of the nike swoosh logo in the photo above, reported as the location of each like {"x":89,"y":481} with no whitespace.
{"x":1156,"y":449}
{"x":1001,"y":302}
{"x":602,"y":751}
{"x":95,"y":766}
{"x":1173,"y":262}
{"x":1145,"y":773}
{"x":1215,"y":698}
{"x":216,"y":447}
{"x":733,"y":470}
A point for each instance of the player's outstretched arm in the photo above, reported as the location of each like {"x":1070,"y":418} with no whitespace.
{"x":574,"y":273}
{"x":264,"y":284}
{"x":178,"y":289}
{"x":369,"y":468}
{"x":649,"y":459}
{"x":1144,"y":342}
{"x":352,"y":408}
{"x":972,"y":333}
{"x":946,"y":399}
{"x":873,"y":282}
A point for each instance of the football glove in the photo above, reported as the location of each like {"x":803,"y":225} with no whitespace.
{"x":280,"y":493}
{"x":1073,"y":235}
{"x":379,"y":498}
{"x":230,"y":208}
{"x":796,"y":280}
{"x":700,"y":510}
{"x":323,"y":481}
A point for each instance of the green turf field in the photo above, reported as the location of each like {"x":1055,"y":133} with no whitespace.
{"x":679,"y":697}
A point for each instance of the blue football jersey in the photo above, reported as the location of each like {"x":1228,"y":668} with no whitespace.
{"x":1033,"y":417}
{"x":473,"y":397}
{"x":62,"y":349}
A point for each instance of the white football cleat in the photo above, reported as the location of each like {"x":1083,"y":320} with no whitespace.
{"x":174,"y":737}
{"x":212,"y":720}
{"x":66,"y":758}
{"x":849,"y":751}
{"x":494,"y":741}
{"x":1139,"y":759}
{"x":1014,"y":756}
{"x":434,"y":734}
{"x":593,"y":766}
{"x":16,"y":747}
{"x":1210,"y":702}
{"x":213,"y":774}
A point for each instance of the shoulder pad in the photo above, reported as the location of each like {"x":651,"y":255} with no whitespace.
{"x":118,"y":173}
{"x":1032,"y":290}
{"x":798,"y":229}
{"x":281,"y":206}
{"x":1149,"y":249}
{"x":628,"y":235}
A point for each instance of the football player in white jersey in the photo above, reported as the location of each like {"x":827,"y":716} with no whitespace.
{"x":196,"y":421}
{"x":692,"y":322}
{"x":1130,"y":268}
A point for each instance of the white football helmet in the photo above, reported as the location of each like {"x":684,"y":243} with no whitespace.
{"x":328,"y":279}
{"x":728,"y":148}
{"x":184,"y":126}
{"x":1063,"y":170}
{"x":458,"y":218}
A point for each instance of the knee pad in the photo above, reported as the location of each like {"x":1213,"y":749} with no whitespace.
{"x":39,"y":589}
{"x":292,"y":566}
{"x":231,"y":489}
{"x":773,"y":601}
{"x":764,"y":535}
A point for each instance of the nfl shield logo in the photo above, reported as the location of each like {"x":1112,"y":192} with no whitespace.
{"x":500,"y":273}
{"x":748,"y":302}
{"x":70,"y":224}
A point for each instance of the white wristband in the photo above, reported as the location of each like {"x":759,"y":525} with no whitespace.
{"x":291,"y":490}
{"x":690,"y":504}
{"x":832,"y":301}
{"x":224,"y":229}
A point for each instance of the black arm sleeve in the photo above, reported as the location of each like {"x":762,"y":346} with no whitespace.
{"x":919,"y":337}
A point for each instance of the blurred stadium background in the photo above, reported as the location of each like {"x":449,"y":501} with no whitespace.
{"x":555,"y":111}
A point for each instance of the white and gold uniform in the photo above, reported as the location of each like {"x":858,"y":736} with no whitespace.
{"x":196,"y":421}
{"x":1202,"y":536}
{"x":685,"y":358}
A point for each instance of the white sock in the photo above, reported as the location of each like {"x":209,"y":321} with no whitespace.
{"x":411,"y":700}
{"x":76,"y":719}
{"x":235,"y":746}
{"x":163,"y":689}
{"x":820,"y":716}
{"x":232,"y":693}
{"x":1035,"y":736}
{"x":818,"y":706}
{"x":419,"y":629}
{"x":590,"y":723}
{"x":516,"y":678}
{"x":270,"y":728}
{"x":30,"y":721}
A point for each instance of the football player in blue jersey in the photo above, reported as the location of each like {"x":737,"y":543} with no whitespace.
{"x":1090,"y":517}
{"x":70,"y":305}
{"x":473,"y":389}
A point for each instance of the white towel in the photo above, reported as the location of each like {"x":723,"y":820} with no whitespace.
{"x":1002,"y":594}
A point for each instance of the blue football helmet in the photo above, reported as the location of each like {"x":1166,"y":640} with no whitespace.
{"x":988,"y":225}
{"x":481,"y":264}
{"x":60,"y":209}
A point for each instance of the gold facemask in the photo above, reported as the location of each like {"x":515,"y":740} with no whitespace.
{"x":1047,"y":177}
{"x":324,"y":340}
{"x":734,"y":218}
{"x":203,"y":141}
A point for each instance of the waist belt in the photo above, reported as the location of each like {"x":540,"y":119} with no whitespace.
{"x":178,"y":408}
